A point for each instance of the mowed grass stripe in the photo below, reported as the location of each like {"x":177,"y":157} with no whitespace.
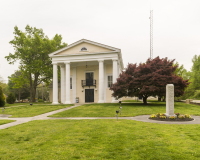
{"x":30,"y":111}
{"x":128,"y":109}
{"x":6,"y":121}
{"x":99,"y":139}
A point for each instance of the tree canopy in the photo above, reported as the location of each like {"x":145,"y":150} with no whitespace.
{"x":31,"y":48}
{"x":193,"y":91}
{"x":19,"y":85}
{"x":149,"y":79}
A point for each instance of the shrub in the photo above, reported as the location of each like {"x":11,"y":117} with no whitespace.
{"x":158,"y":114}
{"x":187,"y":116}
{"x":162,"y":114}
{"x":40,"y":100}
{"x":181,"y":116}
{"x":2,"y":98}
{"x":153,"y":116}
{"x":172,"y":117}
{"x":11,"y":98}
{"x":177,"y":114}
{"x":162,"y":117}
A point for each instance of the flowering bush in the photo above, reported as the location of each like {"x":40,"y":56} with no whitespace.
{"x":162,"y":117}
{"x":157,"y":114}
{"x":153,"y":116}
{"x":172,"y":117}
{"x":181,"y":116}
{"x":187,"y":116}
{"x":177,"y":117}
{"x":177,"y":114}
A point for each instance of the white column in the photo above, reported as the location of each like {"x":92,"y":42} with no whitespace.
{"x":105,"y":83}
{"x":101,"y":81}
{"x":55,"y":84}
{"x":67,"y":83}
{"x":74,"y":84}
{"x":62,"y":85}
{"x":115,"y":75}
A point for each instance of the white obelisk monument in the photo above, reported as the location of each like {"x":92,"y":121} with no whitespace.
{"x":170,"y":100}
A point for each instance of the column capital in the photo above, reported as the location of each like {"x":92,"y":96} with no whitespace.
{"x":100,"y":60}
{"x":114,"y":59}
{"x":67,"y":62}
{"x":54,"y":63}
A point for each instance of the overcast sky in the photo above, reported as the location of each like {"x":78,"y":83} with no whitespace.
{"x":122,"y":24}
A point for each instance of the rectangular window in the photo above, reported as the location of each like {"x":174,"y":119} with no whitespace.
{"x":70,"y":82}
{"x":109,"y":81}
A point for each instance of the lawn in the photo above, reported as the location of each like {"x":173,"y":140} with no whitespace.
{"x":100,"y":139}
{"x":29,"y":111}
{"x":132,"y":101}
{"x":24,"y":104}
{"x":5,"y":121}
{"x":128,"y":109}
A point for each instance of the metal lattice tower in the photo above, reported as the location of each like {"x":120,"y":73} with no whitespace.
{"x":151,"y":34}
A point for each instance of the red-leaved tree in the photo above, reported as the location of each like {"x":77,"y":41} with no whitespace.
{"x":149,"y":79}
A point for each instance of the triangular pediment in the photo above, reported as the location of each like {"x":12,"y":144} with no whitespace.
{"x":83,"y":47}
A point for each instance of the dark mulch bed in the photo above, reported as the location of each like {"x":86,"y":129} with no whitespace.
{"x":176,"y":119}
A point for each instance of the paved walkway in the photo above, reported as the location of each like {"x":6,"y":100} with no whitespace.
{"x":142,"y":118}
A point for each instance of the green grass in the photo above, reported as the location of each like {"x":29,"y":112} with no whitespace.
{"x":6,"y":121}
{"x":24,"y":104}
{"x":30,"y":111}
{"x":128,"y":109}
{"x":132,"y":101}
{"x":100,"y":139}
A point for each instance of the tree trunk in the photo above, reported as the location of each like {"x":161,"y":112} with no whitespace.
{"x":34,"y":86}
{"x":159,"y":99}
{"x":163,"y":98}
{"x":19,"y":96}
{"x":31,"y":86}
{"x":145,"y":100}
{"x":33,"y":92}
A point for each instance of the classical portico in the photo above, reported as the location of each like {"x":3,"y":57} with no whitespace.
{"x":86,"y":69}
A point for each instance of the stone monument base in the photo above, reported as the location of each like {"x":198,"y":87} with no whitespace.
{"x":167,"y":115}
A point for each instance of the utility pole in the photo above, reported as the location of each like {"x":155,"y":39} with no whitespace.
{"x":151,"y":34}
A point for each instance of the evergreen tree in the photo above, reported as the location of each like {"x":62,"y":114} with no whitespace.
{"x":11,"y":98}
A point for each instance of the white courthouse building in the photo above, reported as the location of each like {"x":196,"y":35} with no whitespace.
{"x":88,"y":69}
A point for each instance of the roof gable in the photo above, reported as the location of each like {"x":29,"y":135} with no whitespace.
{"x":89,"y":47}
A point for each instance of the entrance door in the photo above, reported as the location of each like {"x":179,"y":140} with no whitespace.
{"x":89,"y":95}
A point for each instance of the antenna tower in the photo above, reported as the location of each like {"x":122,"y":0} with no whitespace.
{"x":151,"y":34}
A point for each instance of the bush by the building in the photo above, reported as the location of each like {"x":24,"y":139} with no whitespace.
{"x":40,"y":100}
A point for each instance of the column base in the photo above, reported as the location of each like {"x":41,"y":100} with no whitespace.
{"x":55,"y":103}
{"x":100,"y":101}
{"x":67,"y":102}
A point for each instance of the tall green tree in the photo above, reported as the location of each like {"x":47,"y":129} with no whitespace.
{"x":181,"y":71}
{"x":31,"y":49}
{"x":195,"y":75}
{"x":194,"y":88}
